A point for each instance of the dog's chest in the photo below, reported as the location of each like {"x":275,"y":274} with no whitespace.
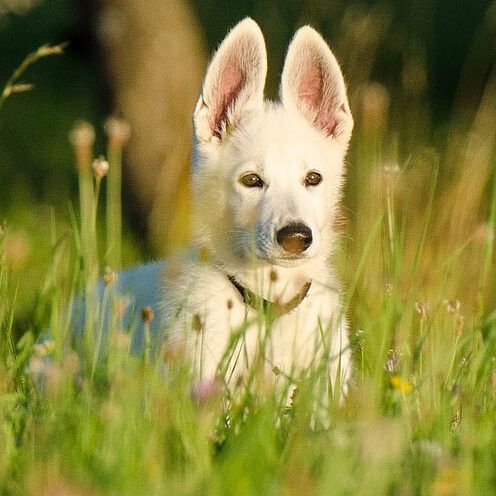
{"x":222,"y":332}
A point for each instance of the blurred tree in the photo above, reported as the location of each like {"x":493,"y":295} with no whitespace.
{"x":153,"y":56}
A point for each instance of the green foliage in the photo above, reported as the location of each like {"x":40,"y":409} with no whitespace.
{"x":418,"y":261}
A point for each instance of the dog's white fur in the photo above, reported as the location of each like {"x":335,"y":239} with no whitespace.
{"x":237,"y":132}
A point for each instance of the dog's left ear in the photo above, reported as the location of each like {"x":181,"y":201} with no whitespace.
{"x":313,"y":84}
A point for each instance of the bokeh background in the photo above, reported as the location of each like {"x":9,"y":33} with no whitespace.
{"x":421,"y":85}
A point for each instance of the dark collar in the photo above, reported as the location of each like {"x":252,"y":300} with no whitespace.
{"x":270,"y":308}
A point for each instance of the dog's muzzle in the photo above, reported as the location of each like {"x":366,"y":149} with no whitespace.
{"x":294,"y":238}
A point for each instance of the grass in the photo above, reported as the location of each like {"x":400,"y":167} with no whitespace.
{"x":418,"y":261}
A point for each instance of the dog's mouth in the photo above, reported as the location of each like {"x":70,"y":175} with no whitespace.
{"x":286,"y":259}
{"x":279,"y":259}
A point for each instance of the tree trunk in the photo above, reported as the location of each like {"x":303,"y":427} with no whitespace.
{"x":154,"y":56}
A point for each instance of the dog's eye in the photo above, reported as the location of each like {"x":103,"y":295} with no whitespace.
{"x":251,"y":181}
{"x":312,"y":179}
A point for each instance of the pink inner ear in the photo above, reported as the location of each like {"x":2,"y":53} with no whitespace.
{"x":312,"y":93}
{"x":326,"y":120}
{"x":311,"y":86}
{"x":231,"y":81}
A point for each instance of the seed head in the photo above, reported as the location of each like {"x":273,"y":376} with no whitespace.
{"x":46,"y":50}
{"x":392,"y":365}
{"x":100,"y":167}
{"x":16,"y":88}
{"x":82,"y":138}
{"x":82,"y":135}
{"x":452,"y":306}
{"x":118,"y":132}
{"x":147,"y":314}
{"x":422,"y":310}
{"x":196,"y":324}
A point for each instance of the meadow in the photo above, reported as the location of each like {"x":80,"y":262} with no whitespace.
{"x":417,"y":260}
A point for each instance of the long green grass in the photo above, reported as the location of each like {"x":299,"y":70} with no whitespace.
{"x":420,"y":416}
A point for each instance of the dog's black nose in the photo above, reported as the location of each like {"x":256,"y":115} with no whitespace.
{"x":294,"y":238}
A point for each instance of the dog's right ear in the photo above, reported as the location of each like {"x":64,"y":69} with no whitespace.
{"x":234,"y":82}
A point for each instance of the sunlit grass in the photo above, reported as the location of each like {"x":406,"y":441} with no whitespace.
{"x":418,"y":261}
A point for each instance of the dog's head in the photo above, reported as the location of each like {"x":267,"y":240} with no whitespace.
{"x":267,"y":176}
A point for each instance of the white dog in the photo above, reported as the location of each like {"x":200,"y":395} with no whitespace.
{"x":267,"y":179}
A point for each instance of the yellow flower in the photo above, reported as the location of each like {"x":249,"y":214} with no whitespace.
{"x":398,"y":383}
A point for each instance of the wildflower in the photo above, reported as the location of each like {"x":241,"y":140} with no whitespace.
{"x":205,"y":390}
{"x":398,"y":383}
{"x":118,"y":132}
{"x":100,"y":167}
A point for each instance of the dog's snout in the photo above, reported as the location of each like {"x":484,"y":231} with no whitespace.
{"x":294,"y":238}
